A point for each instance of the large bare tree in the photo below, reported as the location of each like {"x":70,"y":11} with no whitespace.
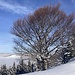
{"x":42,"y":32}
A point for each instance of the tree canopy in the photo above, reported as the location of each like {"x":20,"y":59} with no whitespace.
{"x":44,"y":31}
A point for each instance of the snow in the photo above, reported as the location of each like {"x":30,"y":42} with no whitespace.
{"x":65,"y":69}
{"x":13,"y":56}
{"x":9,"y":59}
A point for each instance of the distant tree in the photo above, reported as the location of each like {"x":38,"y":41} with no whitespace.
{"x":4,"y":70}
{"x":42,"y":32}
{"x":67,"y":52}
{"x":14,"y":69}
{"x":21,"y":68}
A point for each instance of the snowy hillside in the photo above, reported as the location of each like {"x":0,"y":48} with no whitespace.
{"x":66,"y":69}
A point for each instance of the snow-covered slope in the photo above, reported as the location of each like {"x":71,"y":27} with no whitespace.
{"x":66,"y":69}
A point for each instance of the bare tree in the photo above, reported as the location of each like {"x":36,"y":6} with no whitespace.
{"x":42,"y":32}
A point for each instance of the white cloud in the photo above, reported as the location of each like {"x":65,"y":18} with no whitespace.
{"x":15,"y":8}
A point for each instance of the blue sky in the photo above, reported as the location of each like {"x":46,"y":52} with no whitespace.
{"x":11,"y":10}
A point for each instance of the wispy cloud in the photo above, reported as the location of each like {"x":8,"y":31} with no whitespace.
{"x":73,"y":1}
{"x":15,"y":8}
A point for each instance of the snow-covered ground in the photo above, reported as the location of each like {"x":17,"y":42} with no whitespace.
{"x":65,"y":69}
{"x":9,"y":59}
